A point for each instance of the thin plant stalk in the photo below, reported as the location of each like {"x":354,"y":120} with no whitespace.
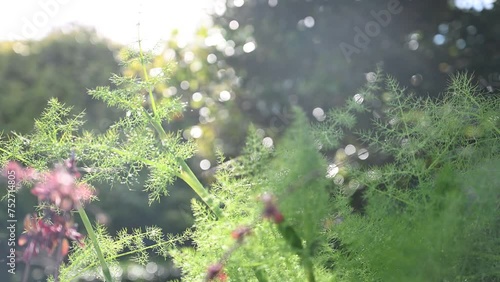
{"x":95,"y":243}
{"x":26,"y":271}
{"x":185,"y":172}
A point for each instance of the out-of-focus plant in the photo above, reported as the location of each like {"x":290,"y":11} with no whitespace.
{"x":284,"y":211}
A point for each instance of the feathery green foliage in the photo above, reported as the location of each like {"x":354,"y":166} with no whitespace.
{"x":84,"y":262}
{"x":134,"y":143}
{"x":429,"y":213}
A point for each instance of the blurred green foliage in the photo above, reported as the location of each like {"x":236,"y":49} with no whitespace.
{"x":292,"y":64}
{"x":62,"y":66}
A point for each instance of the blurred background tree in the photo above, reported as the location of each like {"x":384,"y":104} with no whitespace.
{"x":62,"y":66}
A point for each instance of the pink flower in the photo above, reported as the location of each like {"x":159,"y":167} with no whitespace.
{"x":214,"y":271}
{"x":13,"y":170}
{"x":41,"y":235}
{"x":60,"y":188}
{"x":271,"y":211}
{"x":241,"y":232}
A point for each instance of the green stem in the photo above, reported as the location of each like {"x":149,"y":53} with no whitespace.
{"x":260,"y":275}
{"x":93,"y":238}
{"x":295,"y":242}
{"x":188,"y":176}
{"x":146,"y":77}
{"x":185,"y":173}
{"x":309,"y":269}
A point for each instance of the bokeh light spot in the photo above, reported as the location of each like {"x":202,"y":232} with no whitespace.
{"x":151,"y":267}
{"x":267,"y":142}
{"x":196,"y":132}
{"x":460,"y":43}
{"x":224,"y":96}
{"x":238,"y":3}
{"x":211,"y":58}
{"x":319,"y":114}
{"x":439,"y":39}
{"x":309,"y":22}
{"x":413,"y":45}
{"x":416,"y":79}
{"x":249,"y":47}
{"x":371,"y":77}
{"x":363,"y":154}
{"x":156,"y":72}
{"x":196,"y":97}
{"x":332,"y":171}
{"x":188,"y":57}
{"x":358,"y":98}
{"x":205,"y":164}
{"x":205,"y":111}
{"x":350,"y":149}
{"x":339,"y":180}
{"x":233,"y":25}
{"x":185,"y":85}
{"x":229,"y":51}
{"x":443,"y":28}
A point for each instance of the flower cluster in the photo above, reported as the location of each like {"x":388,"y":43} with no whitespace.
{"x":271,"y":210}
{"x":52,"y":231}
{"x":241,"y":232}
{"x":42,"y":235}
{"x":22,"y":174}
{"x":59,"y":188}
{"x":214,"y":271}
